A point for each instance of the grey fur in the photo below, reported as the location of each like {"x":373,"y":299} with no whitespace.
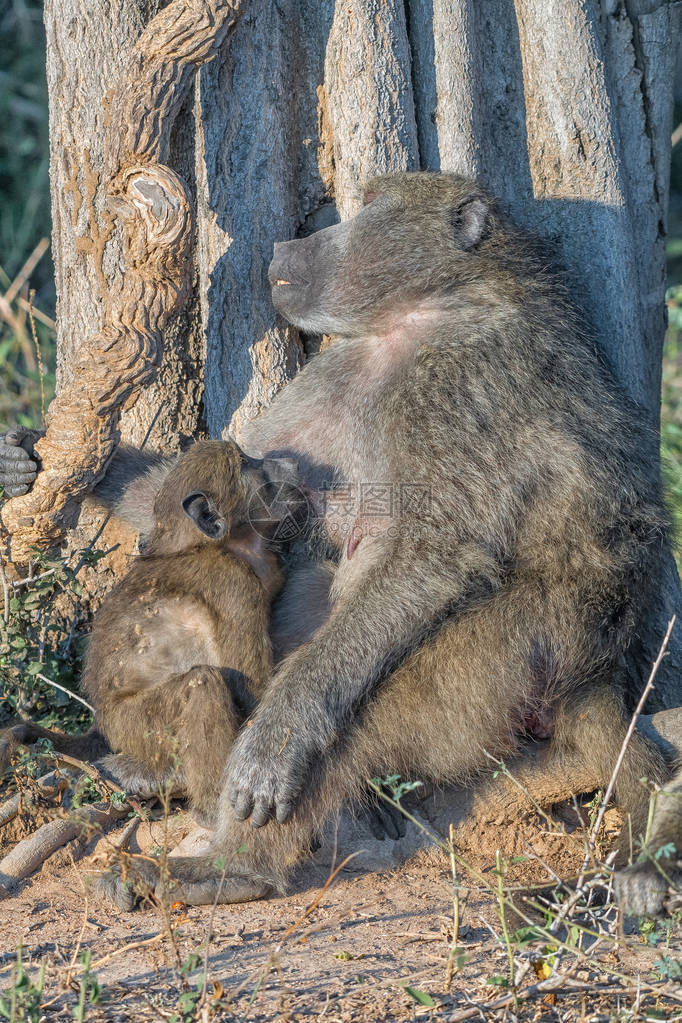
{"x":509,"y":602}
{"x":131,"y":484}
{"x":653,"y":883}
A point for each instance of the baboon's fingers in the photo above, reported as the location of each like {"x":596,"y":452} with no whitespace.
{"x":383,"y":820}
{"x":376,"y":825}
{"x":260,"y":814}
{"x":242,"y":803}
{"x":283,"y":810}
{"x":393,"y":822}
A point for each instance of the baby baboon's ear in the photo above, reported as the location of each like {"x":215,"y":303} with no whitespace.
{"x":204,"y":514}
{"x":469,"y":221}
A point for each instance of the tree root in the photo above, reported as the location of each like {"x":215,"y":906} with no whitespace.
{"x":74,"y":823}
{"x":49,"y":786}
{"x":30,"y":854}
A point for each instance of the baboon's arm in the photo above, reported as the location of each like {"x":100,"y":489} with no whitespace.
{"x":316,"y":694}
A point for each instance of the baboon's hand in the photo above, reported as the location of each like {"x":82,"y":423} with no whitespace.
{"x":18,"y":469}
{"x":267,"y":769}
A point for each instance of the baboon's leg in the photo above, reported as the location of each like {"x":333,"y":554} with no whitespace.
{"x":88,"y":746}
{"x":581,"y":757}
{"x":179,"y":733}
{"x":421,"y":731}
{"x":590,"y":728}
{"x":431,"y":719}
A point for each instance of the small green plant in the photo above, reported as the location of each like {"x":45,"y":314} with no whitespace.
{"x":21,"y":1000}
{"x":40,"y":647}
{"x":660,"y":932}
{"x":668,"y":968}
{"x":419,"y":996}
{"x":189,"y":998}
{"x":395,"y":787}
{"x":86,"y":792}
{"x":90,"y":992}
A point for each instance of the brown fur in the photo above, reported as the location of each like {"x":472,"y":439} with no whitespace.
{"x":179,"y":651}
{"x":512,"y":598}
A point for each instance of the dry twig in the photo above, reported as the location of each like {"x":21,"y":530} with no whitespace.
{"x":628,"y":736}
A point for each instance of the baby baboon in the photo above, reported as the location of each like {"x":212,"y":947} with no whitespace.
{"x":519,"y":529}
{"x":179,"y":650}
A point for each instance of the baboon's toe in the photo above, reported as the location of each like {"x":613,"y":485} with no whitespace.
{"x":128,"y":885}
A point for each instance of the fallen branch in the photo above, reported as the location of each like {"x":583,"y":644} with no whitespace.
{"x":554,"y":985}
{"x":113,"y":365}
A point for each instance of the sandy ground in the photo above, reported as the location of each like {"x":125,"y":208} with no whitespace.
{"x":385,"y":923}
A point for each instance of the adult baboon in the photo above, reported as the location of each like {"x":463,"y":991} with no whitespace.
{"x":519,"y":533}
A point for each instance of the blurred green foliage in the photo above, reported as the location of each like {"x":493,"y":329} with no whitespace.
{"x":671,"y":394}
{"x":24,"y":216}
{"x":671,"y":413}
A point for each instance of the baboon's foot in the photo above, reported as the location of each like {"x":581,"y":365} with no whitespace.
{"x":137,"y":779}
{"x":381,"y":818}
{"x":193,"y":880}
{"x":127,"y":884}
{"x":643,"y":890}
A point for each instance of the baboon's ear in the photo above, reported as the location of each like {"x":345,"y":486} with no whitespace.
{"x":204,"y":514}
{"x":469,"y":220}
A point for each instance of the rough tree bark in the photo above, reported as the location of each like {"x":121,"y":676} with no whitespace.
{"x":562,"y":108}
{"x":110,"y":368}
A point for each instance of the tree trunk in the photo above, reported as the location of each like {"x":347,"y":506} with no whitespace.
{"x":563,"y":110}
